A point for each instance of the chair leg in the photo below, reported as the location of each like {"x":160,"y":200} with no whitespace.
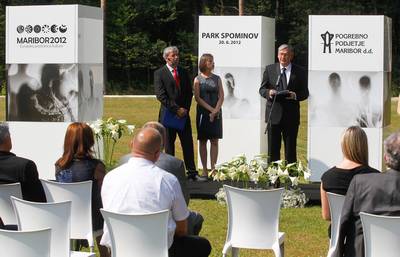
{"x":282,"y":248}
{"x":235,"y":252}
{"x":278,"y":250}
{"x":226,"y":248}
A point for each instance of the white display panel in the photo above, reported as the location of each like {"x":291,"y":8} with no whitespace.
{"x":41,"y":142}
{"x":348,"y":43}
{"x":242,"y":46}
{"x":90,"y":40}
{"x":52,"y":82}
{"x":349,"y":84}
{"x":345,"y":98}
{"x":237,"y":41}
{"x":41,"y":34}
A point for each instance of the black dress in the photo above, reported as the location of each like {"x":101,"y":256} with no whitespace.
{"x":82,"y":170}
{"x":209,"y":90}
{"x":336,"y":180}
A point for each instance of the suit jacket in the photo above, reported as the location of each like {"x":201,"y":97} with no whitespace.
{"x":176,"y":167}
{"x":167,"y":92}
{"x":376,"y":193}
{"x":284,"y":110}
{"x":170,"y":164}
{"x":16,"y":169}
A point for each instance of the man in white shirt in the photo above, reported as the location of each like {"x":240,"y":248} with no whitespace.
{"x":139,"y":186}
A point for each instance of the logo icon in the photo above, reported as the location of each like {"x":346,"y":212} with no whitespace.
{"x":28,"y":29}
{"x":45,"y":28}
{"x":327,"y":37}
{"x":37,"y":28}
{"x":63,"y":28}
{"x":54,"y":28}
{"x":20,"y":29}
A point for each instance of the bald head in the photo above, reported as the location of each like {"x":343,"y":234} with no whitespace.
{"x":147,"y":144}
{"x":160,"y":128}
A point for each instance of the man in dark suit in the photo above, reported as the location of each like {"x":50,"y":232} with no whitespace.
{"x":173,"y":89}
{"x":16,"y":169}
{"x":283,"y":109}
{"x":176,"y":167}
{"x":376,"y":193}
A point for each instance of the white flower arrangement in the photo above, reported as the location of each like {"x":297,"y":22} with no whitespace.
{"x":263,"y":175}
{"x":259,"y":171}
{"x":109,"y":131}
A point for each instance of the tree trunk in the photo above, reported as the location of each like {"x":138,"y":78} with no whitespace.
{"x":241,"y":7}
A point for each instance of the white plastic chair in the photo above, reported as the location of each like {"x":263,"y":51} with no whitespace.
{"x":35,"y":243}
{"x":335,"y":208}
{"x":80,"y":194}
{"x":253,"y":220}
{"x":381,"y":235}
{"x":57,"y":216}
{"x":142,"y":235}
{"x":6,"y":209}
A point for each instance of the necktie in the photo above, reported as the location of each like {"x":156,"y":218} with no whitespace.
{"x":176,"y":78}
{"x":283,"y":79}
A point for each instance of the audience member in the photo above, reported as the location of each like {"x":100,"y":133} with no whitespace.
{"x":376,"y":193}
{"x":77,"y":164}
{"x":355,"y":161}
{"x":17,"y":169}
{"x":147,"y":188}
{"x":166,"y":161}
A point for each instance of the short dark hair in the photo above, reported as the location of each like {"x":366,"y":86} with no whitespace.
{"x":203,"y":61}
{"x":4,"y":132}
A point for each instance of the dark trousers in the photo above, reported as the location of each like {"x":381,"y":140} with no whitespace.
{"x":185,"y":136}
{"x":189,"y":246}
{"x":287,"y":132}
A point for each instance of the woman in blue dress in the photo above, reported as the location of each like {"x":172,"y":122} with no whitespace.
{"x":209,"y":95}
{"x":77,"y":164}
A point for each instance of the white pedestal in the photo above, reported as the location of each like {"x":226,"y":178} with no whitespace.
{"x":349,"y":84}
{"x":54,"y":56}
{"x":242,"y":46}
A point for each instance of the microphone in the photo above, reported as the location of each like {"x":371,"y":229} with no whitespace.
{"x":279,"y":79}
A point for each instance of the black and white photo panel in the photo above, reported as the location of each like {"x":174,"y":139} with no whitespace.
{"x":90,"y":84}
{"x":42,"y":92}
{"x":241,"y":86}
{"x":54,"y":92}
{"x":346,"y":98}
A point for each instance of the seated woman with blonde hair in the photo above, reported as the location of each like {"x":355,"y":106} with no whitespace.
{"x":77,"y":164}
{"x":355,"y":161}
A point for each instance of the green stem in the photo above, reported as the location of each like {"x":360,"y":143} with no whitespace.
{"x":112,"y":152}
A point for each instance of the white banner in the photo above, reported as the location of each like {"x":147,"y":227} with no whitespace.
{"x":41,"y":34}
{"x":349,"y":43}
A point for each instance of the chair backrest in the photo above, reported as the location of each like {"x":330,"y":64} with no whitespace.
{"x":253,"y":217}
{"x":381,"y":235}
{"x":35,"y":243}
{"x":80,"y":195}
{"x":6,"y":209}
{"x":335,"y":208}
{"x":31,"y":215}
{"x":142,"y":235}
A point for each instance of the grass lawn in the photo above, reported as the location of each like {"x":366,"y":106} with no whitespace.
{"x":306,"y":232}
